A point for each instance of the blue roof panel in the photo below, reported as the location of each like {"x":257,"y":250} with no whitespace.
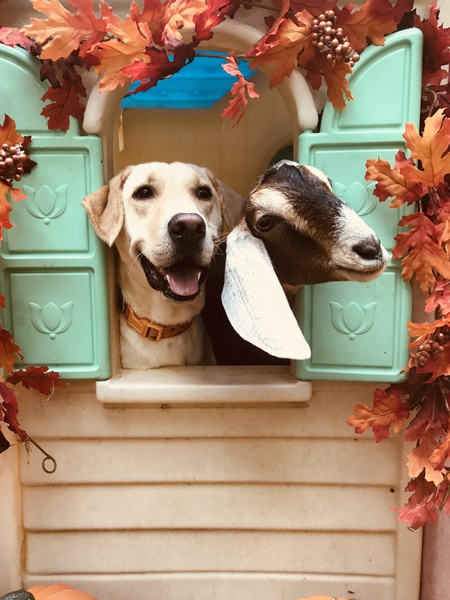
{"x":199,"y":84}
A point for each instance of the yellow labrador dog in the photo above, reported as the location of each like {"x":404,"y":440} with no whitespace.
{"x":165,"y":220}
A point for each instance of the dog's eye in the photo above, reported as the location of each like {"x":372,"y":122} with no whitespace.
{"x":144,"y":192}
{"x":265,"y":223}
{"x":204,"y":193}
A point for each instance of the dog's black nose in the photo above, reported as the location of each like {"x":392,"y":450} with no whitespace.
{"x":368,"y":249}
{"x":187,"y":227}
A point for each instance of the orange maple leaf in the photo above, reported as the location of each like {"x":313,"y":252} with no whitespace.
{"x":291,"y":45}
{"x":62,"y":30}
{"x":424,"y":255}
{"x":391,"y":182}
{"x":387,"y":411}
{"x":419,"y":458}
{"x":179,"y":18}
{"x":369,"y":22}
{"x":429,"y":148}
{"x":5,"y":209}
{"x":8,"y":133}
{"x":113,"y":55}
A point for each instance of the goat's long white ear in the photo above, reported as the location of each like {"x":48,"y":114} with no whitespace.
{"x":254,"y":300}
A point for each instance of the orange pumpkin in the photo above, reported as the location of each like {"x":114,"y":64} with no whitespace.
{"x":59,"y":591}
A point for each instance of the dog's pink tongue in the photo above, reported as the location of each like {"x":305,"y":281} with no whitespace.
{"x":183,"y":281}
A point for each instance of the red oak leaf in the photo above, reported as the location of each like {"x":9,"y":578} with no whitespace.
{"x":160,"y":65}
{"x":439,"y":457}
{"x":423,"y":254}
{"x":238,"y":104}
{"x":10,"y":409}
{"x":430,"y":148}
{"x":37,"y":378}
{"x":335,"y":78}
{"x":271,"y":38}
{"x":423,"y":505}
{"x":8,"y":351}
{"x":213,"y":15}
{"x":438,"y":364}
{"x":387,"y":411}
{"x":391,"y":183}
{"x":64,"y":103}
{"x":436,"y":50}
{"x":419,"y":458}
{"x":65,"y":31}
{"x":440,"y":297}
{"x":431,"y":412}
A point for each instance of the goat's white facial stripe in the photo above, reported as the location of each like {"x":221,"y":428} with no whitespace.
{"x":353,"y":231}
{"x":273,"y":202}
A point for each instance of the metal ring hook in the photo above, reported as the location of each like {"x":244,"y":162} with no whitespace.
{"x":48,"y":457}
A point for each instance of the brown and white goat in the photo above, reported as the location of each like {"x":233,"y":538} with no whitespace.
{"x":293,"y":231}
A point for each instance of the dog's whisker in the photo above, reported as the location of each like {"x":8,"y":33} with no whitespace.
{"x":134,"y":262}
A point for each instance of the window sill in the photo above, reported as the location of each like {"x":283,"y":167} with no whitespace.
{"x":204,"y":387}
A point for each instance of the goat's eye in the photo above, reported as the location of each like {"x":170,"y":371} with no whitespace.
{"x":144,"y":192}
{"x":204,"y":192}
{"x":265,"y":223}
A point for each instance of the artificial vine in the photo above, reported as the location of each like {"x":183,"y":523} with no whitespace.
{"x":158,"y":38}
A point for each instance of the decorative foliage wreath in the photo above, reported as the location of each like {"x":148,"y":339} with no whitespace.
{"x":157,"y":39}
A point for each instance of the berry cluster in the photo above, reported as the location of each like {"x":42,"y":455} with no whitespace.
{"x":432,"y":346}
{"x":12,"y":161}
{"x":325,"y":35}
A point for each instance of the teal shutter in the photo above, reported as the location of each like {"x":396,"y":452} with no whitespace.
{"x":53,"y":268}
{"x":357,"y":331}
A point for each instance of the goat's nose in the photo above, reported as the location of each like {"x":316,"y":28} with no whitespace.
{"x":368,"y":249}
{"x":187,"y":227}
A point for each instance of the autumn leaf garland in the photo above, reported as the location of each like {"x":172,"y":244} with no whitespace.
{"x":155,"y":42}
{"x":420,"y":406}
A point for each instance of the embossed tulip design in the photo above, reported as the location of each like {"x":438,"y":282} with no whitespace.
{"x":51,"y":319}
{"x":45,"y":203}
{"x":353,"y":319}
{"x":357,"y":196}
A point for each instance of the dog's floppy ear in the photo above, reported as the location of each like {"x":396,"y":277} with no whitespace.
{"x":105,"y":209}
{"x":231,"y":203}
{"x":254,"y":300}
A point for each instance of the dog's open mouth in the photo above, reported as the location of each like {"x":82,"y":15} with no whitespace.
{"x":180,"y":282}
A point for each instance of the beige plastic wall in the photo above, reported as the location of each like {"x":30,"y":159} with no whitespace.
{"x":263,"y":503}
